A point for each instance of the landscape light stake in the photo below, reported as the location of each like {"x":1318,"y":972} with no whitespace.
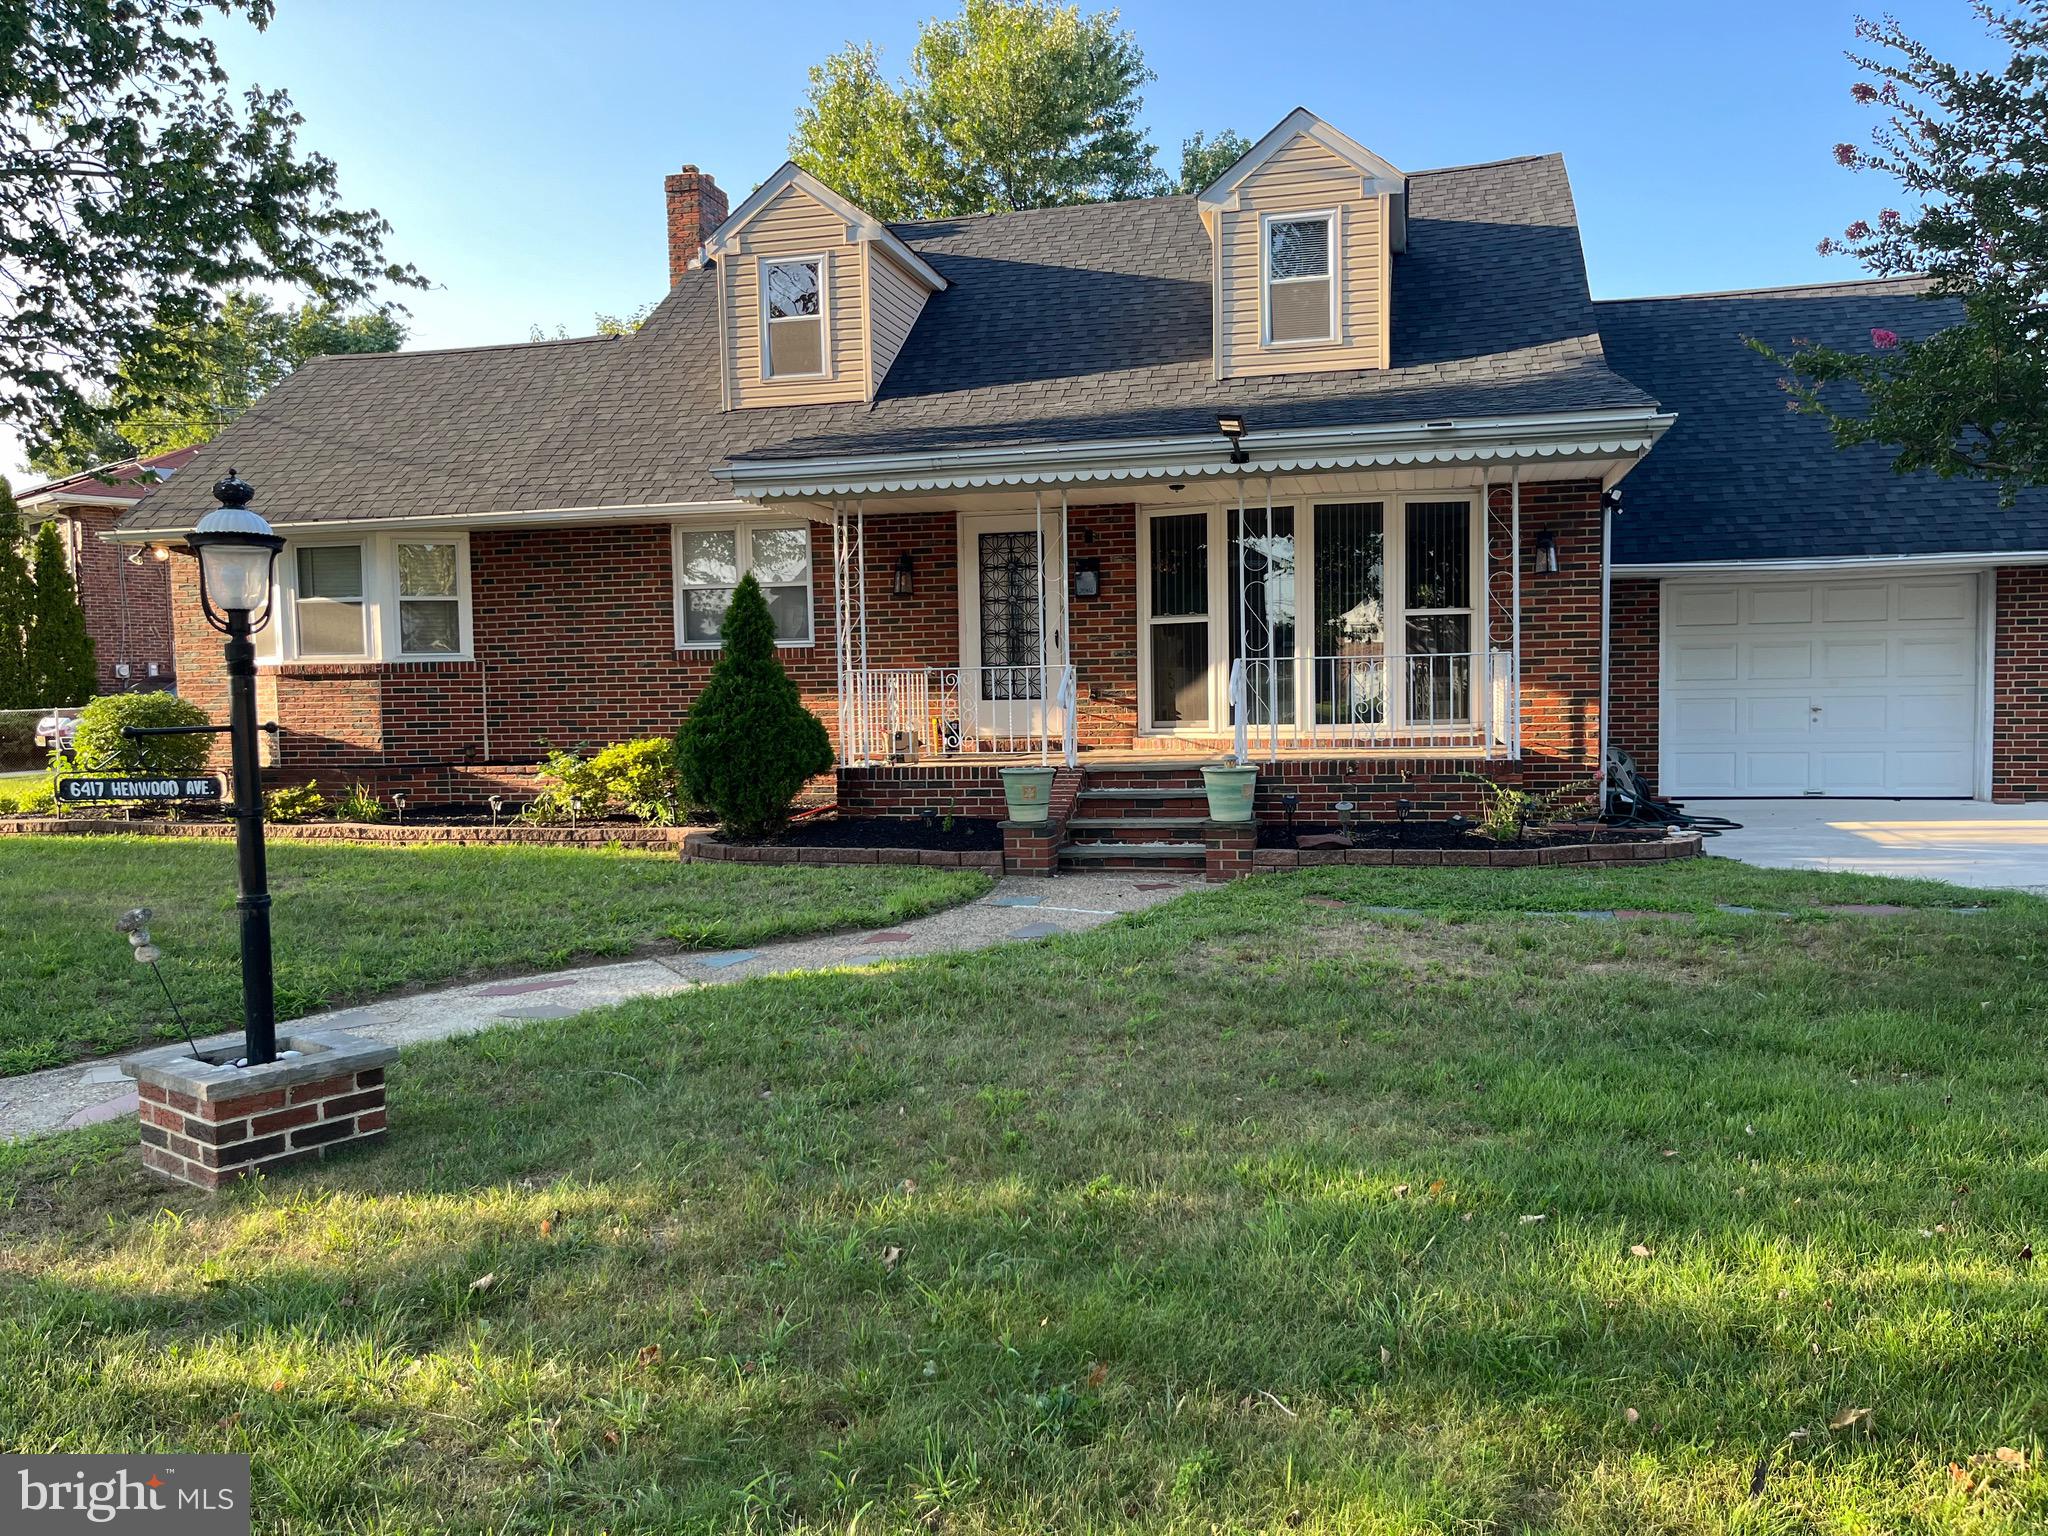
{"x":237,"y":557}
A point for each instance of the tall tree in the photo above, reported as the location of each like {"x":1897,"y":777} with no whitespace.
{"x":60,"y":654}
{"x":136,"y":188}
{"x":1203,"y":160}
{"x":15,"y":592}
{"x":1970,"y":150}
{"x":1011,"y":104}
{"x":213,"y":372}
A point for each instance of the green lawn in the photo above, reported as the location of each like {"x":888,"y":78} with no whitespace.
{"x":354,"y":922}
{"x":1246,"y":1214}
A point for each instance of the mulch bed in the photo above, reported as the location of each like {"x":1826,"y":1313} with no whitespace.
{"x":968,"y":834}
{"x":1443,"y":834}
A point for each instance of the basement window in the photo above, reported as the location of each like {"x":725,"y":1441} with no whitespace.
{"x":1301,"y":303}
{"x":793,"y":310}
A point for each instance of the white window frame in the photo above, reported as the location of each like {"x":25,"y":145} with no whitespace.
{"x":1266,"y":279}
{"x":743,"y":558}
{"x":823,"y":262}
{"x":279,"y":642}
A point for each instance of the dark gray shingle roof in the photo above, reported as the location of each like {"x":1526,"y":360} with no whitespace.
{"x":1065,"y":324}
{"x":1741,"y":477}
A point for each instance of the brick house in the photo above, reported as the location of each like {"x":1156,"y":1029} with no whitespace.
{"x":1321,"y":466}
{"x":125,"y":593}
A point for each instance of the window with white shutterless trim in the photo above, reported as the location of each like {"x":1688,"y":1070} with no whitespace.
{"x":709,"y":562}
{"x":1299,"y":257}
{"x":390,"y":597}
{"x":793,"y":320}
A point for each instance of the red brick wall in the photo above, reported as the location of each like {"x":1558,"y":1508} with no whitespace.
{"x":1634,"y":631}
{"x":127,"y":607}
{"x":1560,"y":626}
{"x":2019,"y":685}
{"x":1103,"y":630}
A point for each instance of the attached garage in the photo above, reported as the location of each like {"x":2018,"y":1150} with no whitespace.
{"x":1846,"y":686}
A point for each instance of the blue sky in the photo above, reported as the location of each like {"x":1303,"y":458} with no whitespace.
{"x":519,"y":148}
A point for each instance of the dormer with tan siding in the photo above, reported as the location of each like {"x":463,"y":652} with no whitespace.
{"x":1303,"y":231}
{"x":816,"y":296}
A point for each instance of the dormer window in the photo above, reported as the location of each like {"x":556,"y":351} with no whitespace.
{"x":1301,"y":299}
{"x":794,"y":317}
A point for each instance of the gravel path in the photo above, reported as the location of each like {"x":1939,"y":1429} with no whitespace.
{"x":1017,"y":909}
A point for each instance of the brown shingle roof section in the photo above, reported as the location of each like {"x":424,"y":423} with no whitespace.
{"x":1065,"y":324}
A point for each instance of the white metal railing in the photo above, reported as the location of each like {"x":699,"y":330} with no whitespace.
{"x":908,"y":714}
{"x":1462,"y":700}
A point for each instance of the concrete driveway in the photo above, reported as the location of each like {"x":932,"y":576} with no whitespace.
{"x":1966,"y":842}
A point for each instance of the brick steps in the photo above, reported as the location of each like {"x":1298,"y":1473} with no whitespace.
{"x":1137,"y":817}
{"x":1135,"y":823}
{"x":1155,"y":856}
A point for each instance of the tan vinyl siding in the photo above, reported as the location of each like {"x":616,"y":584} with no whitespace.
{"x":895,"y":300}
{"x":793,"y":225}
{"x":1304,"y":177}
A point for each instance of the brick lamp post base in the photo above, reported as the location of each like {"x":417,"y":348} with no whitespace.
{"x":207,"y":1122}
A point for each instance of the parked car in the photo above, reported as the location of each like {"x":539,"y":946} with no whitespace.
{"x":57,"y":729}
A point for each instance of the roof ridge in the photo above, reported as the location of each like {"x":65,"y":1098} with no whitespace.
{"x":1487,"y":165}
{"x":1758,"y":292}
{"x":488,"y":346}
{"x":1018,"y":213}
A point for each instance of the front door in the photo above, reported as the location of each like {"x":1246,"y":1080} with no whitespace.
{"x":1012,"y":627}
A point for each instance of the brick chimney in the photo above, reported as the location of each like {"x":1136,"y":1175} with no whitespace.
{"x":696,"y":206}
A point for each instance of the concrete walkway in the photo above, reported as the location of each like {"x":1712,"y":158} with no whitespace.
{"x":1966,"y":842}
{"x":65,"y":1097}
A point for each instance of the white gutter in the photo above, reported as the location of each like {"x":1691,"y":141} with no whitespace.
{"x":1599,"y":434}
{"x":30,"y":500}
{"x":1821,"y":564}
{"x":551,"y":517}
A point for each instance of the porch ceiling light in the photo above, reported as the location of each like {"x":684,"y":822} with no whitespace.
{"x":1231,"y":425}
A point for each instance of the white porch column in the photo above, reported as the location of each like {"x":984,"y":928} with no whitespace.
{"x":1515,"y":615}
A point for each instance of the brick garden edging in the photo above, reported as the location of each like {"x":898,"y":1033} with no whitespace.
{"x":699,"y":845}
{"x":1263,"y":860}
{"x":601,"y":835}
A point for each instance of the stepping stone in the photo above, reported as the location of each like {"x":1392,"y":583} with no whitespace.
{"x":1321,"y":901}
{"x":729,"y":957}
{"x":1036,"y":931}
{"x":1394,"y":911}
{"x":521,"y":988}
{"x":110,"y":1109}
{"x":1592,"y":917}
{"x":1633,"y":914}
{"x":1022,"y":901}
{"x":107,"y":1074}
{"x":893,"y":936}
{"x":539,"y":1012}
{"x":1867,"y":909}
{"x":1158,"y":885}
{"x":1722,"y":906}
{"x":1968,"y":911}
{"x":1323,"y":840}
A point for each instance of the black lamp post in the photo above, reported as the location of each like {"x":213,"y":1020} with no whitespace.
{"x":237,"y":559}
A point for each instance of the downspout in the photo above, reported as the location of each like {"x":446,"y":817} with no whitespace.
{"x":1606,"y":608}
{"x":1515,"y":611}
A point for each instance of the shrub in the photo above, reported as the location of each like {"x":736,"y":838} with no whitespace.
{"x":294,"y":802}
{"x":101,"y":748}
{"x":35,"y":798}
{"x":1509,"y":810}
{"x":569,"y":789}
{"x":59,"y":651}
{"x":359,"y":804}
{"x":749,"y":744}
{"x":641,"y":778}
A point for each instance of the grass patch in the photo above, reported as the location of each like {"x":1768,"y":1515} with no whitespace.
{"x":1243,"y":1214}
{"x":354,"y":922}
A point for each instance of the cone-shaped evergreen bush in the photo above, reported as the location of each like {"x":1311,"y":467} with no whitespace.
{"x":16,"y":591}
{"x":748,"y":743}
{"x":60,"y":656}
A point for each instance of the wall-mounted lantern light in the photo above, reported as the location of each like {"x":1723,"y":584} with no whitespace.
{"x":1088,"y":577}
{"x":903,"y":584}
{"x":1546,"y":551}
{"x":1231,"y":425}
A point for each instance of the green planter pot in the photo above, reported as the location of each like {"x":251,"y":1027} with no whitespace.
{"x":1230,"y":791}
{"x":1028,"y":792}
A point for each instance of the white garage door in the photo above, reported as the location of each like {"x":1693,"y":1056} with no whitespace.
{"x":1838,"y":687}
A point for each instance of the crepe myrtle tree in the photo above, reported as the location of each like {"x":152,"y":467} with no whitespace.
{"x":1969,"y":150}
{"x":748,"y":743}
{"x":137,"y":188}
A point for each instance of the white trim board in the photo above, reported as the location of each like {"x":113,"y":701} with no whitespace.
{"x":1819,"y":565}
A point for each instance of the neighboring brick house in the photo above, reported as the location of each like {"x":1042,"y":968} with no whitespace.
{"x":125,"y":590}
{"x":1319,"y":465}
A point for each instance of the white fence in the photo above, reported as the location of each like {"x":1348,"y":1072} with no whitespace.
{"x":911,"y":714}
{"x":1446,"y":700}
